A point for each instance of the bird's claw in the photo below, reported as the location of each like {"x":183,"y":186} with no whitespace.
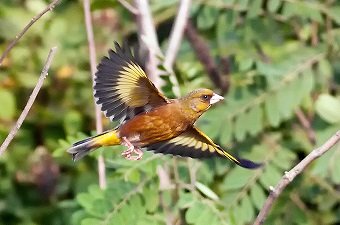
{"x":128,"y":153}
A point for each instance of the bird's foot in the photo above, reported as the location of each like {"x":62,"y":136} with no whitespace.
{"x":133,"y":152}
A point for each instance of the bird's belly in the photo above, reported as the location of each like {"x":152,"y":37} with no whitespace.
{"x":151,"y":128}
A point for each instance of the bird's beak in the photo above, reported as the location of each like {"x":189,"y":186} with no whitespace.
{"x":215,"y":98}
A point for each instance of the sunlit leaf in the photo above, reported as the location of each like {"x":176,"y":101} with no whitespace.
{"x":272,"y":110}
{"x":8,"y":102}
{"x":273,"y":5}
{"x":328,"y":108}
{"x":237,"y":178}
{"x":257,"y":196}
{"x":206,"y":190}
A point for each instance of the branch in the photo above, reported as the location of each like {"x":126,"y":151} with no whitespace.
{"x":148,"y":41}
{"x":128,"y":6}
{"x":92,"y":51}
{"x":175,"y":41}
{"x":177,"y":31}
{"x":306,"y":125}
{"x":289,"y":176}
{"x":30,"y":101}
{"x":33,"y":20}
{"x":202,"y":50}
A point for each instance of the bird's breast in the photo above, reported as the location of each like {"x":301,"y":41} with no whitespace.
{"x":159,"y":124}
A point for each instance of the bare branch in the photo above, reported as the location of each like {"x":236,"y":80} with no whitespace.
{"x":128,"y":6}
{"x":306,"y":125}
{"x":30,"y":101}
{"x":175,"y":41}
{"x":202,"y":50}
{"x":148,"y":40}
{"x":92,"y":51}
{"x":33,"y":20}
{"x":289,"y":176}
{"x":177,"y":33}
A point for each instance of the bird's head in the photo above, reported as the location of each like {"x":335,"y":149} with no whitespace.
{"x":200,"y":100}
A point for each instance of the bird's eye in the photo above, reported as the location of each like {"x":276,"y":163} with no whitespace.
{"x":205,"y":97}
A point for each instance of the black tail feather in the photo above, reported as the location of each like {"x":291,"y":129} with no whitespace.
{"x":81,"y":148}
{"x":245,"y":163}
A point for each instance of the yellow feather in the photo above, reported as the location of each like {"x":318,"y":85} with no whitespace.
{"x":107,"y":139}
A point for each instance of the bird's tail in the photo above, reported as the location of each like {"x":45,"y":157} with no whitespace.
{"x":245,"y":163}
{"x":84,"y":147}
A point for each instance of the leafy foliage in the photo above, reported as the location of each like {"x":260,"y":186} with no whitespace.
{"x":280,"y":59}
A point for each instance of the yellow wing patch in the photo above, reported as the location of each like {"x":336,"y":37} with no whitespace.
{"x":195,"y":144}
{"x":192,"y":143}
{"x":122,"y":88}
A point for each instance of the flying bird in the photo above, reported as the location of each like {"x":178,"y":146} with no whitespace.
{"x":148,"y":119}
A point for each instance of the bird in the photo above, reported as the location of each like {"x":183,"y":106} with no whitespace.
{"x":147,"y":118}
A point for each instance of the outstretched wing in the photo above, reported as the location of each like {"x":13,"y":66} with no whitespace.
{"x":195,"y":144}
{"x":122,"y":88}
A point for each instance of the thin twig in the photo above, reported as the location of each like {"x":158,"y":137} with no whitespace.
{"x":126,"y":198}
{"x":33,"y":20}
{"x":175,"y":41}
{"x":177,"y":31}
{"x":30,"y":101}
{"x":92,"y":51}
{"x":148,"y":41}
{"x":128,"y":6}
{"x":306,"y":125}
{"x":202,"y":50}
{"x":289,"y":176}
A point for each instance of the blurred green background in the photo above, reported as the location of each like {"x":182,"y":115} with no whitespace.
{"x":276,"y":62}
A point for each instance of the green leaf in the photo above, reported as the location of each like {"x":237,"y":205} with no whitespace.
{"x":185,"y":200}
{"x":243,"y":4}
{"x":245,"y":64}
{"x":272,"y":110}
{"x":206,"y":217}
{"x":72,"y":122}
{"x":254,"y":9}
{"x":90,"y":221}
{"x":334,"y":13}
{"x":152,"y":198}
{"x":206,"y":190}
{"x":325,"y":68}
{"x":7,"y":100}
{"x":328,"y":108}
{"x":257,"y":196}
{"x":284,"y":158}
{"x":207,"y":17}
{"x":303,"y":10}
{"x":136,"y":206}
{"x":307,"y":79}
{"x":226,"y":132}
{"x":241,"y":126}
{"x":286,"y":102}
{"x":255,"y":118}
{"x":193,"y":213}
{"x":336,"y":167}
{"x":86,"y":200}
{"x":239,"y":215}
{"x":247,"y":208}
{"x":237,"y":178}
{"x":297,"y":93}
{"x":225,"y":35}
{"x":101,"y":207}
{"x":95,"y":191}
{"x":134,"y":176}
{"x":270,"y":177}
{"x":273,"y":5}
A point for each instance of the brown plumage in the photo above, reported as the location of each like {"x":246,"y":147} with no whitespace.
{"x":147,"y":118}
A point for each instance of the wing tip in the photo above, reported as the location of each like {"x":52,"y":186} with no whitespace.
{"x":248,"y":164}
